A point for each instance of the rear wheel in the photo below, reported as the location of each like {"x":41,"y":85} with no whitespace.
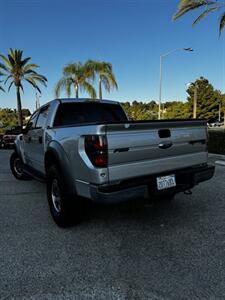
{"x":66,"y":208}
{"x":17,"y":167}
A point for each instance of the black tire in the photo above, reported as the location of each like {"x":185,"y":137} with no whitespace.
{"x":17,"y":167}
{"x":66,"y":208}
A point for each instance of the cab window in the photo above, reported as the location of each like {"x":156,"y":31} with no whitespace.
{"x":32,"y":122}
{"x":42,"y":118}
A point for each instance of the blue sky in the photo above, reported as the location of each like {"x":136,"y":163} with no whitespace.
{"x":131,"y":34}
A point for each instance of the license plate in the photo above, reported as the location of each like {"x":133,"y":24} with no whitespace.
{"x":166,"y":182}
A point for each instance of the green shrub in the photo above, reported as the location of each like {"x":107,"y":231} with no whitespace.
{"x":216,"y":141}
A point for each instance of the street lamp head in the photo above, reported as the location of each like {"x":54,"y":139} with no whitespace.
{"x":188,"y":49}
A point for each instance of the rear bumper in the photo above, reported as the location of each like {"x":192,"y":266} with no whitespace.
{"x":140,"y":187}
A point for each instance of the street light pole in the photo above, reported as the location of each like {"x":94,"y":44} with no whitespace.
{"x":219,"y":111}
{"x":160,"y":87}
{"x":160,"y":74}
{"x":195,"y":100}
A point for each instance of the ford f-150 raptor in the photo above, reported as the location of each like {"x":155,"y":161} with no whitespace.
{"x":87,"y":149}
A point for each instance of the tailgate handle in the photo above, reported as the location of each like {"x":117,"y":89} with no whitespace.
{"x":165,"y":145}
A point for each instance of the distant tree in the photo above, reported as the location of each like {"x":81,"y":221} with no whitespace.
{"x":177,"y":110}
{"x":26,"y":112}
{"x":17,"y":70}
{"x":8,"y":117}
{"x":105,"y":75}
{"x":223,"y":107}
{"x":208,"y":99}
{"x":141,"y":111}
{"x":78,"y":76}
{"x":209,"y":7}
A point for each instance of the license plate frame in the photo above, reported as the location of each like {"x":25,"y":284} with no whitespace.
{"x":166,"y":182}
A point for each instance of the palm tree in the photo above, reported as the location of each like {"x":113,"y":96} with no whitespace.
{"x":17,"y":70}
{"x":76,"y":75}
{"x":105,"y":73}
{"x":209,"y":7}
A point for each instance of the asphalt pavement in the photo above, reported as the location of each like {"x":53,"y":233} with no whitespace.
{"x":127,"y":251}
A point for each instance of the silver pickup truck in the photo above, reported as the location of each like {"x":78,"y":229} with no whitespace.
{"x":87,"y":149}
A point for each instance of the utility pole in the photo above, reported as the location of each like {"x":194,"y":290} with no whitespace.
{"x":160,"y":74}
{"x":160,"y":87}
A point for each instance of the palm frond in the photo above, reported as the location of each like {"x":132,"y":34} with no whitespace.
{"x":1,"y":88}
{"x":188,"y":5}
{"x":29,"y":72}
{"x":21,"y":86}
{"x":33,"y":83}
{"x":71,"y":69}
{"x":105,"y":80}
{"x":90,"y":89}
{"x":12,"y":61}
{"x":10,"y":76}
{"x":222,"y":23}
{"x":38,"y":89}
{"x":5,"y":59}
{"x":60,"y":85}
{"x":104,"y":70}
{"x":112,"y":80}
{"x":23,"y":62}
{"x":204,"y":14}
{"x":10,"y":85}
{"x":39,"y":78}
{"x":30,"y":66}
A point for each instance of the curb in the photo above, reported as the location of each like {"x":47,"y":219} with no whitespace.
{"x":220,"y":162}
{"x":219,"y":156}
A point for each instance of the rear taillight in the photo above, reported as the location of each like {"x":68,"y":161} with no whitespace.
{"x":96,"y":148}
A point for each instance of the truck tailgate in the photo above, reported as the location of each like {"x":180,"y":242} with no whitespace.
{"x":145,"y":148}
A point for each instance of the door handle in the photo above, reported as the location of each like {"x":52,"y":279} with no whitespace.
{"x":40,"y":139}
{"x":165,"y":145}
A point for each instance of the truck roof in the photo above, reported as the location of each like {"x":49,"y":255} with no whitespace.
{"x":79,"y":100}
{"x":69,"y":100}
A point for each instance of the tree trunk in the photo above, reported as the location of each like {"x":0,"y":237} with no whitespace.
{"x":224,"y":118}
{"x":19,"y":107}
{"x":100,"y":88}
{"x":76,"y":89}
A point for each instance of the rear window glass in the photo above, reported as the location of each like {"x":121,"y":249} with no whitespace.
{"x":79,"y":113}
